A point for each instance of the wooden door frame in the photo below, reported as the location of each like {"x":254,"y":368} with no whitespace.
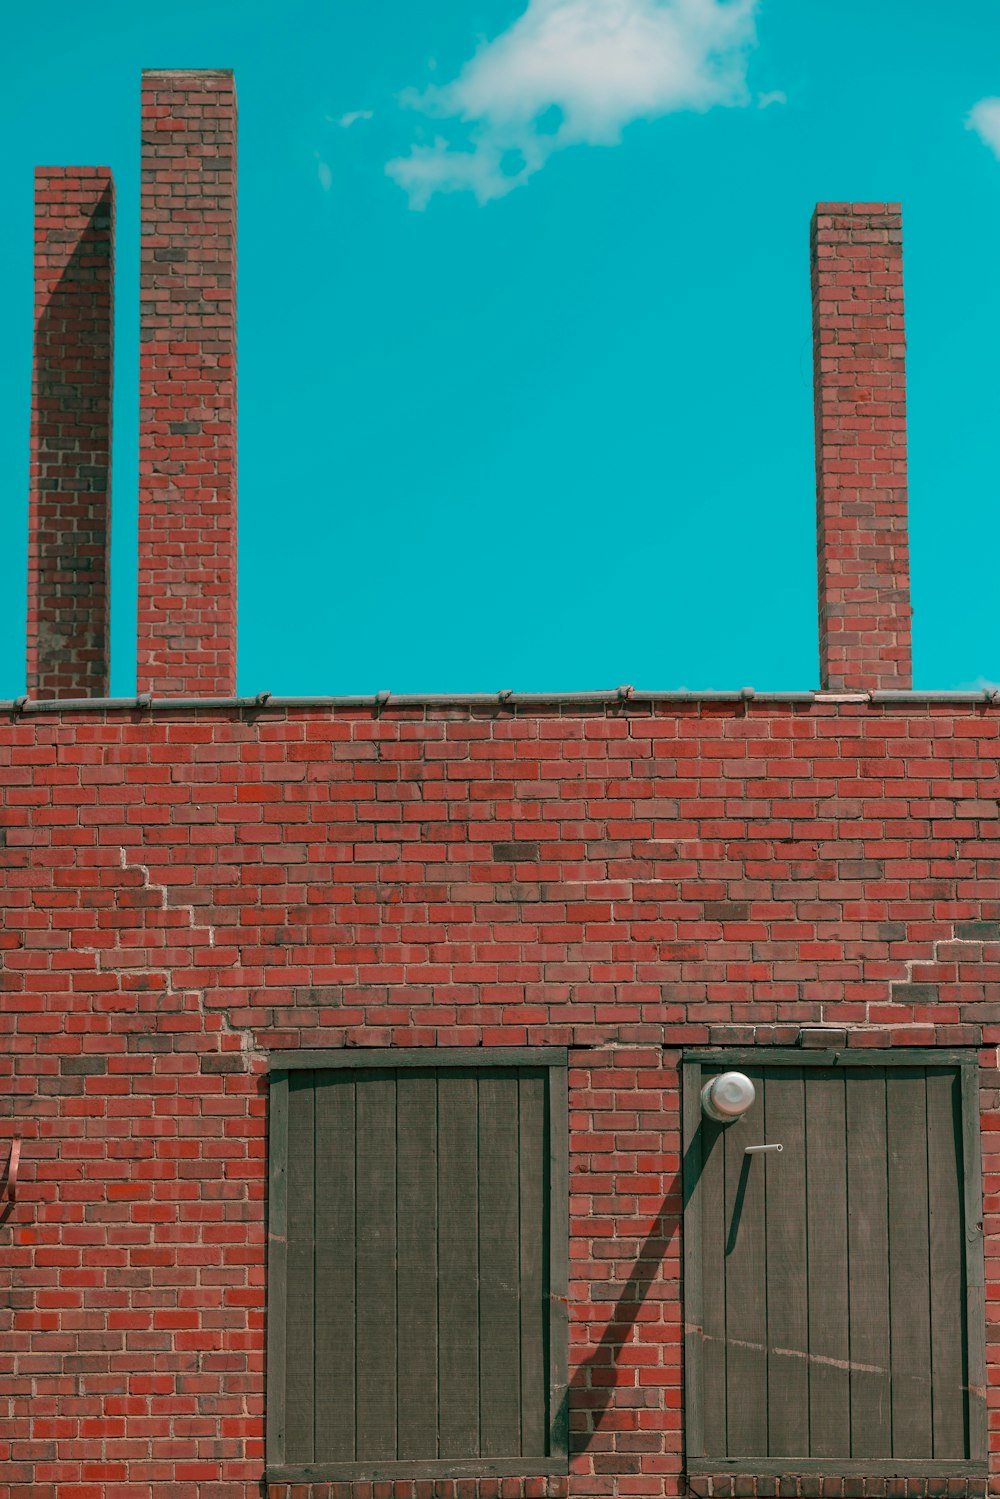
{"x":692,"y":1071}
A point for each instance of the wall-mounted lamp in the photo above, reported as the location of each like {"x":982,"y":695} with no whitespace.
{"x":727,"y":1097}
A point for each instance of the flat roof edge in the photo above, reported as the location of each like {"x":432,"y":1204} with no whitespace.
{"x":619,"y":697}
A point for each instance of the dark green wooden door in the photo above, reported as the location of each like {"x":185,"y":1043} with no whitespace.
{"x":831,"y":1279}
{"x":417,"y":1284}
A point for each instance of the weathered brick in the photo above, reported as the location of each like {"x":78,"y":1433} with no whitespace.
{"x":219,"y":1064}
{"x":516,"y":853}
{"x":83,"y":1066}
{"x":822,"y":1036}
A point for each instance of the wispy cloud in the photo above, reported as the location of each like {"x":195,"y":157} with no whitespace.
{"x":984,"y":119}
{"x":324,"y":171}
{"x":775,"y":96}
{"x":573,"y":72}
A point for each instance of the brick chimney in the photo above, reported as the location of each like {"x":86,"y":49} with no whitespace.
{"x":860,"y":404}
{"x":187,"y":385}
{"x":70,"y":463}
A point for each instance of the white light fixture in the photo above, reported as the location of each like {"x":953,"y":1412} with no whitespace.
{"x":727,"y":1097}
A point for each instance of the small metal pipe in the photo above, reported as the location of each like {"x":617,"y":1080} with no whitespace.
{"x":786,"y":697}
{"x":357,"y":700}
{"x":68,"y":704}
{"x":182,"y":704}
{"x":891,"y":695}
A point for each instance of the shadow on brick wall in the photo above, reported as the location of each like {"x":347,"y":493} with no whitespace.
{"x":595,"y":1396}
{"x":73,"y":354}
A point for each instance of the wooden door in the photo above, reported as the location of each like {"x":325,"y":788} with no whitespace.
{"x":416,"y":1272}
{"x":831,"y":1280}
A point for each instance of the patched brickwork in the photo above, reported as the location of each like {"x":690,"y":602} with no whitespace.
{"x":185,"y":894}
{"x":860,"y":380}
{"x":70,"y":466}
{"x":187,"y":385}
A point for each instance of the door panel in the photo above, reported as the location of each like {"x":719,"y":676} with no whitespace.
{"x":833,"y":1275}
{"x":418,"y":1266}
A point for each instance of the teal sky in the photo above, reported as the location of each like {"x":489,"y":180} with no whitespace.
{"x":525,"y":359}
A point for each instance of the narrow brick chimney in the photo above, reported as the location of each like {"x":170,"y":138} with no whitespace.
{"x":860,"y":396}
{"x":187,"y":385}
{"x":70,"y":464}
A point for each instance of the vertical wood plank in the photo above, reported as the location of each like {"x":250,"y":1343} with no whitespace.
{"x":376,"y":1266}
{"x":499,"y":1256}
{"x":558,"y":1261}
{"x":277,"y":1266}
{"x":714,"y":1234}
{"x":335,"y":1266}
{"x":300,"y":1317}
{"x":746,"y":1292}
{"x":458,"y":1260}
{"x":947,"y":1262}
{"x":975,"y":1269}
{"x":909,"y":1278}
{"x":826,"y":1218}
{"x":868,"y":1262}
{"x":532,"y":1165}
{"x":787,"y":1309}
{"x":693,"y":1250}
{"x":416,"y":1268}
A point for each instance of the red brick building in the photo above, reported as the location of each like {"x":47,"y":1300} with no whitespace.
{"x":455,"y":955}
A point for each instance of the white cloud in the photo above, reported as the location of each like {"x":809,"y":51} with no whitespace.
{"x":324,"y":173}
{"x":572,"y":72}
{"x":352,"y":117}
{"x":764,"y":101}
{"x":984,"y":119}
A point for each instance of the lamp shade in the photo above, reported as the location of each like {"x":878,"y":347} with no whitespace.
{"x":727,"y":1097}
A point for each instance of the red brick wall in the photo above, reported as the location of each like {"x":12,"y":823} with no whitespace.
{"x":69,"y":524}
{"x":183,"y":895}
{"x":860,"y":405}
{"x":187,"y":385}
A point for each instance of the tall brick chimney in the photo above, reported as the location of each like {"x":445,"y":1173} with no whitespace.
{"x":860,"y":404}
{"x":70,"y":464}
{"x":187,"y":385}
